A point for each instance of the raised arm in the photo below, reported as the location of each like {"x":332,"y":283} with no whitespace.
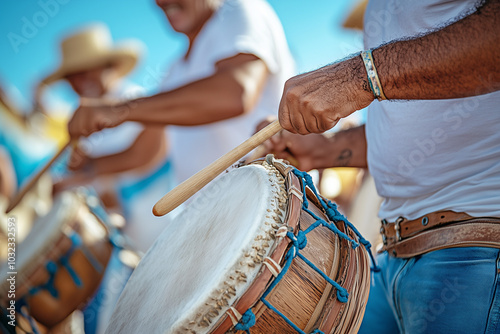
{"x":458,"y":60}
{"x":231,"y":91}
{"x":148,"y":150}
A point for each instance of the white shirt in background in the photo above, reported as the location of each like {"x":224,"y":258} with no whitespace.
{"x":238,"y":26}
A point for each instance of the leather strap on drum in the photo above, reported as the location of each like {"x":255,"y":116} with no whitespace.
{"x":444,"y":229}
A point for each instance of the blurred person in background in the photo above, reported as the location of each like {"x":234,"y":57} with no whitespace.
{"x":128,"y":156}
{"x":229,"y":79}
{"x":126,"y":165}
{"x":22,"y":151}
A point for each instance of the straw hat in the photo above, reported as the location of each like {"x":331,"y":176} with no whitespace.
{"x":355,"y":18}
{"x":93,"y":47}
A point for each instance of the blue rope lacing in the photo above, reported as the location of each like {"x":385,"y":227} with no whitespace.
{"x":299,"y":242}
{"x":247,"y":320}
{"x":49,"y":286}
{"x":52,"y":268}
{"x":76,"y":242}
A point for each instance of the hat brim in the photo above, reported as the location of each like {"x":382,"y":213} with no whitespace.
{"x":123,"y":58}
{"x":355,"y":18}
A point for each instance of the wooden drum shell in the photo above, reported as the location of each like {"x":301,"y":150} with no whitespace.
{"x":42,"y":306}
{"x":302,"y":295}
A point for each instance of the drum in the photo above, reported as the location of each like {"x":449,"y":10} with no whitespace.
{"x":251,"y":252}
{"x":60,"y":263}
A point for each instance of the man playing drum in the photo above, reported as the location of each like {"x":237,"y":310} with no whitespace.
{"x":435,"y":159}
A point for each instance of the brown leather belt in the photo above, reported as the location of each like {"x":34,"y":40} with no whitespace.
{"x":438,"y":230}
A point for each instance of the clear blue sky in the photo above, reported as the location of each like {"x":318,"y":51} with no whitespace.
{"x":313,"y":30}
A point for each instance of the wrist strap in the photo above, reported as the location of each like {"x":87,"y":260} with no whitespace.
{"x":373,"y":79}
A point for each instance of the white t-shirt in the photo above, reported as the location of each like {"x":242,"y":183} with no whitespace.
{"x":238,"y":26}
{"x":431,"y":155}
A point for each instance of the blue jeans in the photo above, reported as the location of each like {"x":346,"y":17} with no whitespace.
{"x":454,"y":290}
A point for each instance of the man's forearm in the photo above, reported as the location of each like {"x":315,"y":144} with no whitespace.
{"x":459,"y":60}
{"x":232,"y":91}
{"x":346,"y":148}
{"x":201,"y":102}
{"x":349,"y":148}
{"x":147,"y":151}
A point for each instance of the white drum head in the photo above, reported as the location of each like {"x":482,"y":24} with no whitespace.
{"x":205,"y":258}
{"x":45,"y":232}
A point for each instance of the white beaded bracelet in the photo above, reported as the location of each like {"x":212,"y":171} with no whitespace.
{"x":373,"y":79}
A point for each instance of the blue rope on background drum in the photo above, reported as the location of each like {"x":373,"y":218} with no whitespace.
{"x":76,"y":241}
{"x":49,"y":286}
{"x":52,"y":267}
{"x":299,"y":242}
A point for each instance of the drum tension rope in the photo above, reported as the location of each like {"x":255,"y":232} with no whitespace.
{"x":299,"y":242}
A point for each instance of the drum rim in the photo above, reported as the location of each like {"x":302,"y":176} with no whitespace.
{"x":37,"y":255}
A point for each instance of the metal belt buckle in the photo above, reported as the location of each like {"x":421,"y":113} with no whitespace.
{"x":397,"y":228}
{"x":382,"y":231}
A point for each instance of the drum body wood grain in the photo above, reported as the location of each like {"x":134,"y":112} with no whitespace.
{"x":307,"y":299}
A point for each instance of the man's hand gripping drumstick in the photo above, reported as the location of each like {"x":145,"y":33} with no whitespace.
{"x":189,"y":187}
{"x":290,"y":106}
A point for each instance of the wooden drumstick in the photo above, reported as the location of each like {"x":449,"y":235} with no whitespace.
{"x":20,"y":194}
{"x":189,"y":187}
